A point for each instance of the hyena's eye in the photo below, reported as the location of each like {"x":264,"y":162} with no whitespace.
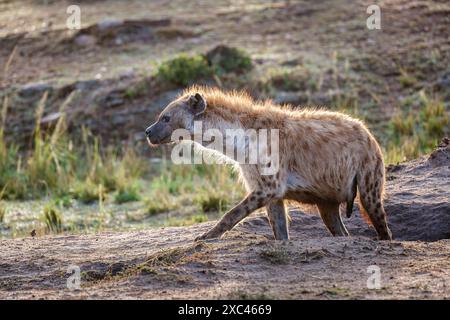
{"x":165,"y":119}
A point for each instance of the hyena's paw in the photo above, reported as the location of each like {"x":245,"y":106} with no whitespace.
{"x":200,"y":238}
{"x":212,"y":234}
{"x":387,"y":235}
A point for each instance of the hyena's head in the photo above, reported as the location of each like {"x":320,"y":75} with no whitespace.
{"x":179,"y":114}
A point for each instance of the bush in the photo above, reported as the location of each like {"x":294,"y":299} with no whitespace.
{"x":184,"y":69}
{"x":225,"y":59}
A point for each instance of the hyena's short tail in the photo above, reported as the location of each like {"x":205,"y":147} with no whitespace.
{"x":370,"y":182}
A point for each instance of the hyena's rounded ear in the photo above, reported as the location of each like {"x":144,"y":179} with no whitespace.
{"x":197,"y":104}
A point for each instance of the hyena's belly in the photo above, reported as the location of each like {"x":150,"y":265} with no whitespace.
{"x":299,"y":189}
{"x":302,"y":197}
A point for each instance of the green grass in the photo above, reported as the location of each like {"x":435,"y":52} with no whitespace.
{"x":186,"y":221}
{"x":406,"y":79}
{"x":155,"y":206}
{"x":129,"y":194}
{"x":64,"y":201}
{"x":417,"y":128}
{"x":209,"y":202}
{"x":294,"y":79}
{"x":2,"y":212}
{"x":136,"y":91}
{"x":240,"y":294}
{"x":58,"y":166}
{"x":88,"y":192}
{"x":52,"y":218}
{"x":209,"y":187}
{"x":89,"y":174}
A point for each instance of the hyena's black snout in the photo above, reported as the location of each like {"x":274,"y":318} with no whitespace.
{"x":151,"y":135}
{"x":148,"y":131}
{"x":158,"y":133}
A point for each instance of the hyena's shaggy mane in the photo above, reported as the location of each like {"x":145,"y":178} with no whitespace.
{"x":228,"y":104}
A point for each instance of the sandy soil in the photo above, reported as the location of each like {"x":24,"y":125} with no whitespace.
{"x":246,"y":263}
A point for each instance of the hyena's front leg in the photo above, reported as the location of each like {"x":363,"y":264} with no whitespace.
{"x":278,"y":219}
{"x":253,"y":201}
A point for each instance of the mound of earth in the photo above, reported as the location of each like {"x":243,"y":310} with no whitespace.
{"x":246,"y":263}
{"x":418,"y":199}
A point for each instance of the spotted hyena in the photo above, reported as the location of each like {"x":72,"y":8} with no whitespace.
{"x":325,"y":158}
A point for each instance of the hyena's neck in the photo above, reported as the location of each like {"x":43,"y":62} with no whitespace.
{"x":212,"y":132}
{"x":212,"y":124}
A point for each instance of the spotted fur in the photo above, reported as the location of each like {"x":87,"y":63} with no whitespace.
{"x":326,"y":159}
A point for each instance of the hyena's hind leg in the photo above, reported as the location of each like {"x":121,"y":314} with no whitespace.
{"x":370,"y":187}
{"x":276,"y":213}
{"x":374,"y":212}
{"x":329,"y":211}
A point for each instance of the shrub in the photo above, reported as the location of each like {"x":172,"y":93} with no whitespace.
{"x":225,"y":59}
{"x":184,"y":69}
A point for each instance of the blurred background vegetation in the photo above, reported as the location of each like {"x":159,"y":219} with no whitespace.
{"x":75,"y":103}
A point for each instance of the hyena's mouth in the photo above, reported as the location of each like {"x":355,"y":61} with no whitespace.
{"x":166,"y":139}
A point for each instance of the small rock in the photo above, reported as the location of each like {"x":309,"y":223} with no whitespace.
{"x":109,"y":23}
{"x":85,"y":40}
{"x":51,"y":117}
{"x":32,"y":89}
{"x":444,"y":82}
{"x":116,"y":268}
{"x":130,"y":73}
{"x":86,"y":85}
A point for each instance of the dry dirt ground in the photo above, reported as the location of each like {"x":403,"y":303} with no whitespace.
{"x":246,"y":263}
